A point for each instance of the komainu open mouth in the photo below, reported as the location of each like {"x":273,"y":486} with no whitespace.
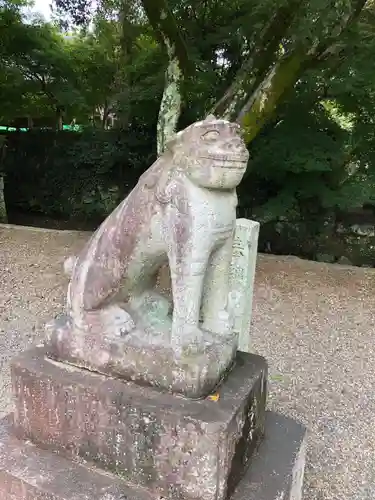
{"x":235,"y":162}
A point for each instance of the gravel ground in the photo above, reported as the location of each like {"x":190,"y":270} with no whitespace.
{"x":312,"y":321}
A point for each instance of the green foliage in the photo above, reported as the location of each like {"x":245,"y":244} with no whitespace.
{"x":312,"y":158}
{"x":34,"y":66}
{"x":74,"y":175}
{"x":86,"y":76}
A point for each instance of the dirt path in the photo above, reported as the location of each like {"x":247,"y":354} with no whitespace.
{"x":313,"y":322}
{"x":32,"y":289}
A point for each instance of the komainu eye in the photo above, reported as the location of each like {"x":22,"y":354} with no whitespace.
{"x":211,"y":135}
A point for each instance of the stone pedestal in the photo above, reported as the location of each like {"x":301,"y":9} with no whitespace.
{"x":144,"y":357}
{"x":29,"y":472}
{"x":76,"y":435}
{"x":173,"y":445}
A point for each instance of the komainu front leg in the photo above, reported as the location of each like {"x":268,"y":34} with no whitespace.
{"x":188,"y":258}
{"x":187,"y":286}
{"x":215,"y":315}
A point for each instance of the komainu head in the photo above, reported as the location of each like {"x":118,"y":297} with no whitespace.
{"x":211,"y":153}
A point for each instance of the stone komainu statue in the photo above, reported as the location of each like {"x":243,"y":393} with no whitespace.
{"x":182,"y":211}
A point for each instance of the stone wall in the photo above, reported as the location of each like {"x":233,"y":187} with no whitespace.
{"x":350,"y":240}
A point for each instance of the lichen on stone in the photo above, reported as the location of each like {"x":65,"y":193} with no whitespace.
{"x":170,"y":106}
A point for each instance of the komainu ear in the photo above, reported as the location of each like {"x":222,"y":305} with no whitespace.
{"x":210,"y":118}
{"x":170,"y":145}
{"x":174,"y":141}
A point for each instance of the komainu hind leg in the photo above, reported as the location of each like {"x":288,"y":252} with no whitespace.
{"x":110,"y":320}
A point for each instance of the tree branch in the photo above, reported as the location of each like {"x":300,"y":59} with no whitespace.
{"x":329,"y":44}
{"x":167,"y":31}
{"x":257,"y":64}
{"x":263,"y":100}
{"x":179,"y":65}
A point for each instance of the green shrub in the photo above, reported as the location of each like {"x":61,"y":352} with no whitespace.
{"x":68,"y":174}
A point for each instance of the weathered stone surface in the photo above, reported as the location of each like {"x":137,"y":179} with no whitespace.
{"x":182,"y":211}
{"x":277,"y":468}
{"x":144,"y":357}
{"x":242,"y":274}
{"x":30,"y":473}
{"x":180,"y":448}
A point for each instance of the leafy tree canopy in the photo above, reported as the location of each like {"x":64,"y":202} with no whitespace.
{"x":297,"y":75}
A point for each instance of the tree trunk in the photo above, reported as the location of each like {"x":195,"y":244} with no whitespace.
{"x":170,"y":106}
{"x":122,"y":82}
{"x":263,"y":80}
{"x":167,"y":31}
{"x":59,"y":122}
{"x":260,"y":102}
{"x":179,"y":66}
{"x":258,"y":62}
{"x":263,"y":101}
{"x":59,"y":117}
{"x":3,"y":209}
{"x":104,"y":113}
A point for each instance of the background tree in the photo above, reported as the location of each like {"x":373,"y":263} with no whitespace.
{"x":35,"y":54}
{"x":296,"y":74}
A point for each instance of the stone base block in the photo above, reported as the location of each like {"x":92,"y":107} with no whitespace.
{"x":30,"y":473}
{"x":144,"y":356}
{"x":277,"y":468}
{"x":178,"y":447}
